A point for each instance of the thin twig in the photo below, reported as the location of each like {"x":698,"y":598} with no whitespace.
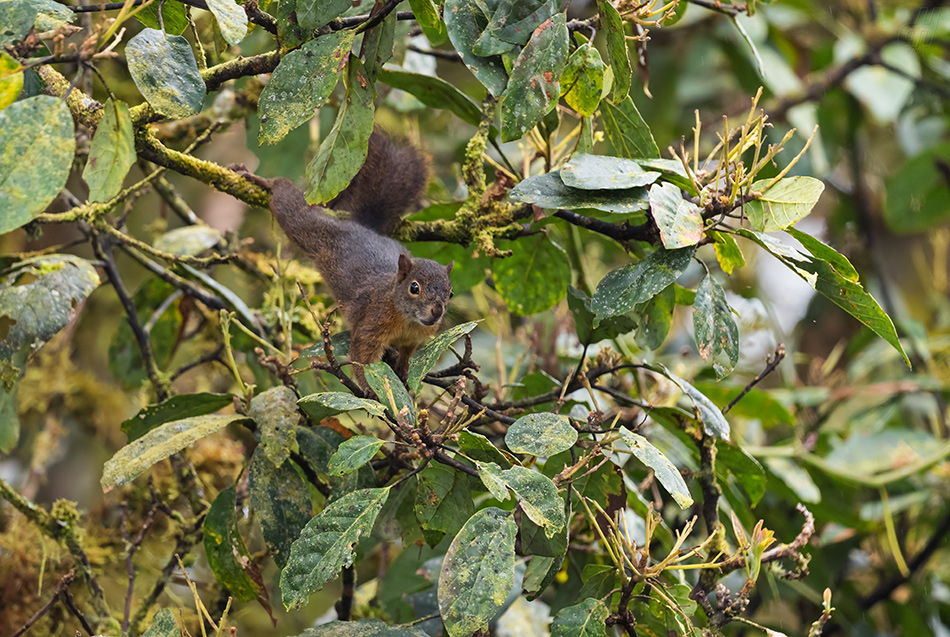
{"x":773,"y":363}
{"x":60,"y":587}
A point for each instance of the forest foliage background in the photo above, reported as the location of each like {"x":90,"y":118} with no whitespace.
{"x":658,"y":405}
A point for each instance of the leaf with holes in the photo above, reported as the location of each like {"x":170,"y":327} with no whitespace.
{"x":328,"y":543}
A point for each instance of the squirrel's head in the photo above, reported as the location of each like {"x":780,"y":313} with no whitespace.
{"x":423,"y":289}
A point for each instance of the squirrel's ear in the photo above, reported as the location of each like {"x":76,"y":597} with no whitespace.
{"x":405,"y":264}
{"x":448,"y":268}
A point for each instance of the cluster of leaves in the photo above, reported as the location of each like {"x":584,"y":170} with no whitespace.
{"x":579,"y":486}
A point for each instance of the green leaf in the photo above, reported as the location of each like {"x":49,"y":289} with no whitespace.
{"x":434,"y":92}
{"x":715,"y":330}
{"x":594,"y":172}
{"x":174,"y":17}
{"x":353,"y":454}
{"x":537,"y":494}
{"x":664,"y":470}
{"x":548,"y":191}
{"x":165,"y":72}
{"x":174,"y":408}
{"x":679,"y":221}
{"x":232,"y":20}
{"x":727,"y":252}
{"x":316,"y":405}
{"x":541,"y":434}
{"x":33,"y":167}
{"x":189,"y":240}
{"x":314,"y":14}
{"x":540,"y":573}
{"x":340,"y":343}
{"x":757,"y":404}
{"x":917,"y":197}
{"x":512,"y":23}
{"x":290,"y":34}
{"x":534,"y":86}
{"x":835,"y":278}
{"x":281,"y":501}
{"x":464,"y":21}
{"x":656,"y":318}
{"x":587,"y":619}
{"x":163,"y":623}
{"x":584,"y":320}
{"x":628,"y":134}
{"x":301,"y":83}
{"x":744,"y":467}
{"x":879,"y":88}
{"x":343,"y":151}
{"x":328,"y":543}
{"x":134,"y":458}
{"x":422,"y":362}
{"x":714,"y":422}
{"x":795,"y":478}
{"x":11,"y":80}
{"x":362,"y":628}
{"x":488,"y":474}
{"x":227,"y":554}
{"x":427,"y":15}
{"x":275,"y":412}
{"x":582,"y":81}
{"x":784,"y":203}
{"x":390,"y":390}
{"x":535,"y":277}
{"x":443,"y":498}
{"x":378,"y":43}
{"x":630,"y":285}
{"x":478,"y":572}
{"x":478,"y":447}
{"x":612,"y":25}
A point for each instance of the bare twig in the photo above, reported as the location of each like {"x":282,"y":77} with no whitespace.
{"x":60,"y":587}
{"x":773,"y":363}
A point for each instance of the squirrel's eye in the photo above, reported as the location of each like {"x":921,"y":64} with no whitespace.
{"x":451,"y":295}
{"x":414,"y":288}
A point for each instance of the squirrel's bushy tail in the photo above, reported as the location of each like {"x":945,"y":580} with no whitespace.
{"x":389,"y":185}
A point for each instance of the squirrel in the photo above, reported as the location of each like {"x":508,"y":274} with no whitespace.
{"x":389,"y":298}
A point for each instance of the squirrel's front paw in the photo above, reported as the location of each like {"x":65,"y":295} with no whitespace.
{"x":257,"y":180}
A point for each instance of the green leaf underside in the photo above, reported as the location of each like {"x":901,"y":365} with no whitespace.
{"x":680,"y":221}
{"x":541,"y":434}
{"x":462,"y":20}
{"x":548,"y":191}
{"x":427,"y":15}
{"x":616,"y":50}
{"x":630,"y":285}
{"x":339,"y":343}
{"x":628,"y":134}
{"x":362,"y":628}
{"x":225,"y":548}
{"x":111,"y":153}
{"x":656,"y":318}
{"x":587,"y":619}
{"x":534,"y":86}
{"x":134,"y":458}
{"x":422,"y":362}
{"x":353,"y":454}
{"x":174,"y":17}
{"x":744,"y":467}
{"x":596,"y":172}
{"x":165,"y":72}
{"x":784,"y":203}
{"x":342,"y":152}
{"x":714,"y":422}
{"x":717,"y":336}
{"x":275,"y":412}
{"x":301,"y":83}
{"x":434,"y":92}
{"x":281,"y":502}
{"x":582,"y":82}
{"x":327,"y":544}
{"x":664,"y":470}
{"x":834,"y":277}
{"x":478,"y":572}
{"x":340,"y":402}
{"x":232,"y":20}
{"x":33,"y":168}
{"x":174,"y":408}
{"x":535,"y":277}
{"x":536,"y":493}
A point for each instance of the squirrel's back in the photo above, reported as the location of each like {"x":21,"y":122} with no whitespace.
{"x":389,"y":185}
